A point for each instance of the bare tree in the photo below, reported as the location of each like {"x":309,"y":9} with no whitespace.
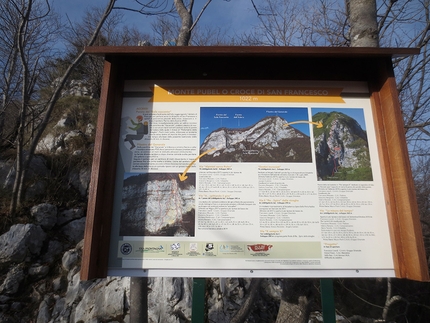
{"x":165,"y":30}
{"x":278,"y":27}
{"x":28,"y":40}
{"x":210,"y":36}
{"x":178,"y":9}
{"x":407,"y":24}
{"x":325,"y":24}
{"x":186,"y":21}
{"x":112,"y":33}
{"x":29,"y":13}
{"x":9,"y":81}
{"x":29,"y":30}
{"x":297,"y":23}
{"x":421,"y":171}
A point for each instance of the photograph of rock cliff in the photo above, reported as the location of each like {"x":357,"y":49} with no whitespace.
{"x":255,"y":135}
{"x":341,"y":145}
{"x":158,"y":204}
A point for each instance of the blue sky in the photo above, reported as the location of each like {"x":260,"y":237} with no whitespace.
{"x":213,"y":118}
{"x":236,"y":15}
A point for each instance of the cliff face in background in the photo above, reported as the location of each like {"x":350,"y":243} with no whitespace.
{"x":158,"y":204}
{"x":269,"y":140}
{"x":341,"y":148}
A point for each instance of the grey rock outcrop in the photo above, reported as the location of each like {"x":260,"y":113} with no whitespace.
{"x":44,"y":314}
{"x":78,"y":88}
{"x":74,"y":231}
{"x":69,"y":215}
{"x":54,"y":143}
{"x":21,"y":241}
{"x":90,"y":129}
{"x":45,"y":215}
{"x":72,"y":135}
{"x":65,"y":121}
{"x":12,"y":281}
{"x":50,"y":143}
{"x":37,"y":169}
{"x":177,"y":305}
{"x":80,"y":180}
{"x":104,"y":301}
{"x":70,"y":260}
{"x":38,"y":271}
{"x":55,"y":248}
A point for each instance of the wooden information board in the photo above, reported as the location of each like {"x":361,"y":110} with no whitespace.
{"x":251,"y":161}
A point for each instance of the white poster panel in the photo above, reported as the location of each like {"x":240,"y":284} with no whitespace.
{"x":248,"y":178}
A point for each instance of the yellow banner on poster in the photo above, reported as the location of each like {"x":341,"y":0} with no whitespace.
{"x":246,"y":94}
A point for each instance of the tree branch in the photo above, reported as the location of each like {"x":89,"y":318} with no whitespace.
{"x":200,"y":14}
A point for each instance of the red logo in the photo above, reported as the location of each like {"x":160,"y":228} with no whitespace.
{"x":259,"y":247}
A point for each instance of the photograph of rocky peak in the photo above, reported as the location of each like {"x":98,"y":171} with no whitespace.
{"x":341,"y":145}
{"x":255,"y":135}
{"x":158,"y":204}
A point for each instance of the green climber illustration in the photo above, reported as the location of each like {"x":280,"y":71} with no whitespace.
{"x":141,"y":129}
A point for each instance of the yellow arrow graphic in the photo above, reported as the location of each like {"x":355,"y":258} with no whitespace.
{"x":319,"y":124}
{"x":183,"y":176}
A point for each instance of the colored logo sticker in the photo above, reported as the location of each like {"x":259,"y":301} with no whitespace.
{"x":259,"y":247}
{"x":126,"y":248}
{"x":175,"y":246}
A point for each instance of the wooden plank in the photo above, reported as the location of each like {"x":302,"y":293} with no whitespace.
{"x":97,"y":228}
{"x":250,"y":50}
{"x":405,"y":227}
{"x":386,"y":179}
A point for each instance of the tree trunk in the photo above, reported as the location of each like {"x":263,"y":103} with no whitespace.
{"x":296,"y":301}
{"x":186,"y":22}
{"x":364,"y":26}
{"x":7,"y":96}
{"x":18,"y":186}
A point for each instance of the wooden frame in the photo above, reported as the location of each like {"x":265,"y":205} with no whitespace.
{"x":371,"y":65}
